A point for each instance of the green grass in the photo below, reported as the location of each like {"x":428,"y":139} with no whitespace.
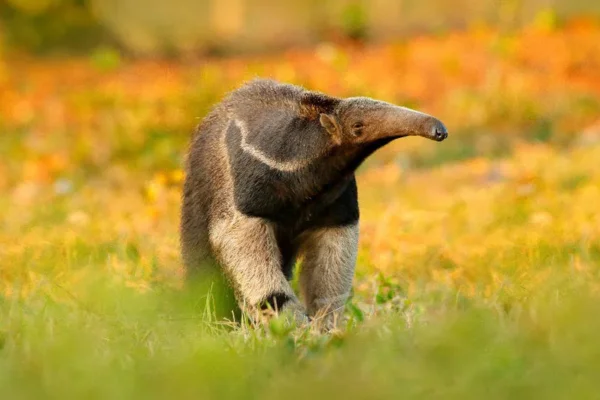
{"x":116,"y":343}
{"x":465,"y":288}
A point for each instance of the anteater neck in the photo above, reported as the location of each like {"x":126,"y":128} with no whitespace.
{"x":340,"y":163}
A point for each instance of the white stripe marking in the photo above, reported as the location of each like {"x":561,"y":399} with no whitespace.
{"x":286,"y":166}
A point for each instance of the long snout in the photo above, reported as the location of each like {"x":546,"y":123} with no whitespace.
{"x":402,"y":121}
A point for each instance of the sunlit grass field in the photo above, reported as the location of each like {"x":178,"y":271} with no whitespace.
{"x":479,"y":264}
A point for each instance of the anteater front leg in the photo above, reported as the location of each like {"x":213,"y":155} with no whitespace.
{"x":247,"y":249}
{"x":329,"y":258}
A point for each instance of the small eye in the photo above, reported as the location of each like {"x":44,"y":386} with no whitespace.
{"x":357,"y":128}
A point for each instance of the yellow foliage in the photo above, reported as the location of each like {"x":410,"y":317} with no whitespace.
{"x":483,"y":226}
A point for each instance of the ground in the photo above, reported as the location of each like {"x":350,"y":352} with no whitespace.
{"x":478,"y":256}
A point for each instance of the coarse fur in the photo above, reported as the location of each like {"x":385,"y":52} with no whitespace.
{"x":270,"y":178}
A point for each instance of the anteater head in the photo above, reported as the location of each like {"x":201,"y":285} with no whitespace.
{"x":361,"y":120}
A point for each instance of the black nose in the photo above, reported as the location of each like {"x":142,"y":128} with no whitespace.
{"x":439,"y":131}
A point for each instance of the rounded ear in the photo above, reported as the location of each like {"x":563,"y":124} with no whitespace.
{"x":331,"y":125}
{"x":314,"y":103}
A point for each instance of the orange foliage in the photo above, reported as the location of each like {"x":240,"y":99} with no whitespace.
{"x":424,"y":69}
{"x":459,"y":77}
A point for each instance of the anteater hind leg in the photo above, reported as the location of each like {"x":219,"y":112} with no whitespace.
{"x":193,"y":227}
{"x":329,"y":258}
{"x":247,"y":249}
{"x":205,"y":281}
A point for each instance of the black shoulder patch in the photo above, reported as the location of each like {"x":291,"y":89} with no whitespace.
{"x":336,"y":206}
{"x":259,"y":190}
